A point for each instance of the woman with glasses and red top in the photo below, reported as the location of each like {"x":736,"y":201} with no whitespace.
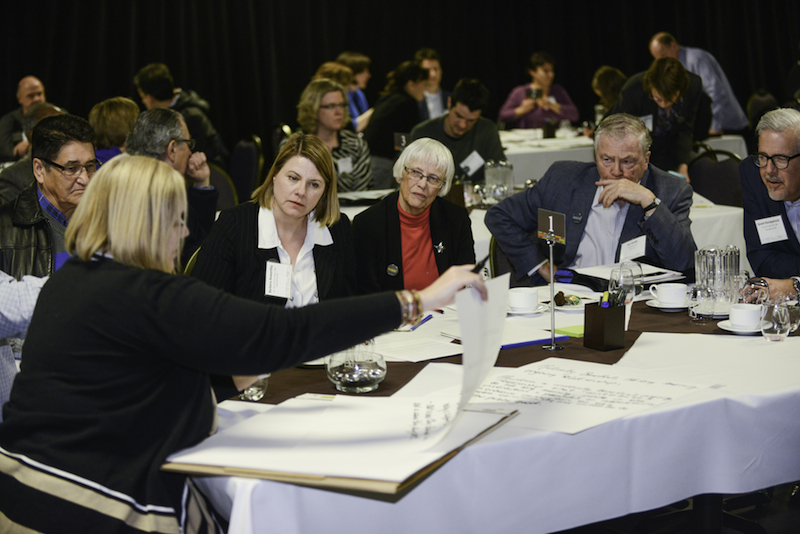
{"x":409,"y":238}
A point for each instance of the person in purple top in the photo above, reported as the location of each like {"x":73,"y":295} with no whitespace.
{"x":532,"y":104}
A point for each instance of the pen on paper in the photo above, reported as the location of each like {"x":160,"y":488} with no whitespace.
{"x":422,"y":322}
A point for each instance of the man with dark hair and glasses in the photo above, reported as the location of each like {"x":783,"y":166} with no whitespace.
{"x":771,"y":197}
{"x":161,"y":133}
{"x":471,"y":138}
{"x":32,"y":226}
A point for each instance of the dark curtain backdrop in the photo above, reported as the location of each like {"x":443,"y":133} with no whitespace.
{"x":252,"y":58}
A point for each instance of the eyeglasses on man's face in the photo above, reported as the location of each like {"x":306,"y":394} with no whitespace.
{"x":415,"y":176}
{"x":74,"y":170}
{"x":190,"y":143}
{"x":779,"y":160}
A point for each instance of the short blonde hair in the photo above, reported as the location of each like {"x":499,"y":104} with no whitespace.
{"x":129,"y":210}
{"x":431,"y":152}
{"x":308,"y":107}
{"x":310,"y":147}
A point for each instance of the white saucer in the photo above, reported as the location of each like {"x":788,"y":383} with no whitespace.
{"x":727,"y":326}
{"x":540,"y":308}
{"x":573,"y":308}
{"x":653,"y":303}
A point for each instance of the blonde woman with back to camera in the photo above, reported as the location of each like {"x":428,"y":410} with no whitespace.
{"x":118,"y":357}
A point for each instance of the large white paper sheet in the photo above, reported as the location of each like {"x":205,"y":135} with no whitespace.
{"x":561,"y":395}
{"x":731,"y":363}
{"x":373,"y":438}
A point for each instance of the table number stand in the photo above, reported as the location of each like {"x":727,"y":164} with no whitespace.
{"x":556,"y":226}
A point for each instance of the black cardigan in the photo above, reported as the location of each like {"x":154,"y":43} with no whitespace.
{"x":376,"y":234}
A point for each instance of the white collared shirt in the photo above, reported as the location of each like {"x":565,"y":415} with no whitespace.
{"x":600,"y":237}
{"x":304,"y":275}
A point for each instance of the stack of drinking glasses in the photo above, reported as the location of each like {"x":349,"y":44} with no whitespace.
{"x":499,"y":183}
{"x":717,"y":282}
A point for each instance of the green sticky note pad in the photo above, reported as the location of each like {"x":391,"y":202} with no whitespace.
{"x":571,"y":331}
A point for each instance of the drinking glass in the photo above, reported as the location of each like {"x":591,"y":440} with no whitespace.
{"x":793,"y":305}
{"x":775,"y":320}
{"x":256,"y":390}
{"x":356,"y":370}
{"x":638,"y":278}
{"x":702,"y":301}
{"x":621,"y":282}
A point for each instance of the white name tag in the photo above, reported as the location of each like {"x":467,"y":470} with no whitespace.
{"x":633,"y":249}
{"x":345,"y":165}
{"x":648,"y":121}
{"x":472,"y":163}
{"x":771,"y":229}
{"x":279,"y":280}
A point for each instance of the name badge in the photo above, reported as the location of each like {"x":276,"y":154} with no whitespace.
{"x":630,"y":250}
{"x":771,"y":229}
{"x":345,"y":165}
{"x":472,"y":163}
{"x":648,"y":121}
{"x":279,"y":280}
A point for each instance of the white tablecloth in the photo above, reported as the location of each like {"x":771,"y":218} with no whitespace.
{"x":532,"y":157}
{"x":731,"y":143}
{"x":740,"y":436}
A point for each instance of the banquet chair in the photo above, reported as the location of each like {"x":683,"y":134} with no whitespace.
{"x":247,"y":165}
{"x":499,"y":264}
{"x":281,"y":130}
{"x":715,"y":178}
{"x":223,"y":183}
{"x":190,"y":264}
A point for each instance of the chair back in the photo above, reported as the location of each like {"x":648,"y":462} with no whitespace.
{"x":499,"y":264}
{"x":281,"y":130}
{"x":247,"y":165}
{"x":223,"y":183}
{"x":717,"y":179}
{"x":190,"y":264}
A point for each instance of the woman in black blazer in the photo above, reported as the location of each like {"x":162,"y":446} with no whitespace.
{"x":290,"y":245}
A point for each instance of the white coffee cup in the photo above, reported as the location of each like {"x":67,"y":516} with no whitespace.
{"x":523,"y":298}
{"x":669,"y":294}
{"x":745,"y":316}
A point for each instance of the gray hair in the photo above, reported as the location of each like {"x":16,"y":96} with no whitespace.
{"x":621,"y":125}
{"x":153,"y":131}
{"x":781,"y":121}
{"x":430,"y":152}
